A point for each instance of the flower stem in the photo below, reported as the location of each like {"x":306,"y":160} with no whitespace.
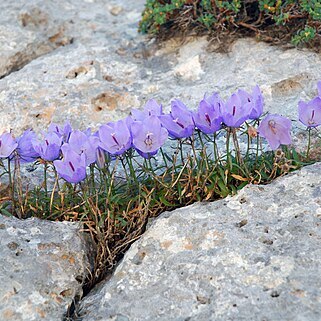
{"x":11,"y":186}
{"x":216,"y":154}
{"x":181,"y":150}
{"x":164,"y":157}
{"x":125,"y":170}
{"x":239,"y":158}
{"x":228,"y":155}
{"x":309,"y":142}
{"x":204,"y":153}
{"x":131,"y":168}
{"x":92,"y":176}
{"x":248,"y":142}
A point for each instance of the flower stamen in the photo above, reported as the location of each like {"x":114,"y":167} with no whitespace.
{"x":178,"y":123}
{"x":115,"y":139}
{"x":272,"y":126}
{"x":207,"y":117}
{"x":71,"y":166}
{"x":148,"y":140}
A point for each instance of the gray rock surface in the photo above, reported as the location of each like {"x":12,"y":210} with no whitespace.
{"x":253,"y":256}
{"x":83,"y":61}
{"x":42,"y":268}
{"x":108,"y":68}
{"x":28,"y":29}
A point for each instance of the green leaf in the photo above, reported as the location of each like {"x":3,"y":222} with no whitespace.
{"x":5,"y":212}
{"x":165,"y":202}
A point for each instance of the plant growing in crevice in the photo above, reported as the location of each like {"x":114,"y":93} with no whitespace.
{"x":116,"y":179}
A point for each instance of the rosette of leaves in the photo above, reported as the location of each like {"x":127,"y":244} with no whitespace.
{"x":277,"y":21}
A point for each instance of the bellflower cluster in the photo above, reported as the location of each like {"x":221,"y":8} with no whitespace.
{"x":145,"y":131}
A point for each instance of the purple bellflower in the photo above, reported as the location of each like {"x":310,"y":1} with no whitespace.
{"x":179,"y":122}
{"x":72,"y":168}
{"x":25,"y":149}
{"x":208,"y":117}
{"x":115,"y":137}
{"x":152,"y":107}
{"x":100,"y":158}
{"x":148,"y":136}
{"x":214,"y":99}
{"x":7,"y":145}
{"x":254,"y":102}
{"x":234,"y":112}
{"x":276,"y":130}
{"x":63,"y":132}
{"x":81,"y":143}
{"x":310,"y":113}
{"x":49,"y":147}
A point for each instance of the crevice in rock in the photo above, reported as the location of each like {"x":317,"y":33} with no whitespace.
{"x":71,"y":314}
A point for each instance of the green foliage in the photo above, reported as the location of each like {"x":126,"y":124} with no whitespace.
{"x":298,"y":21}
{"x":305,"y":35}
{"x":156,"y":14}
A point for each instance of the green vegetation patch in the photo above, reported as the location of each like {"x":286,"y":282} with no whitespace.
{"x":276,"y":21}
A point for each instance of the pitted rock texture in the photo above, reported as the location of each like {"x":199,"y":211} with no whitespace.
{"x":43,"y":266}
{"x":253,"y":256}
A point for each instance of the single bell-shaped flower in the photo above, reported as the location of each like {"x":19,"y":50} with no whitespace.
{"x":49,"y":147}
{"x":100,"y":157}
{"x":82,"y":143}
{"x":63,"y":132}
{"x":276,"y":130}
{"x":179,"y":122}
{"x":7,"y":145}
{"x":235,"y":112}
{"x":72,"y":167}
{"x":310,"y":113}
{"x":25,"y":149}
{"x":152,"y":107}
{"x":115,"y":137}
{"x":208,"y":117}
{"x":253,"y":102}
{"x":148,"y":136}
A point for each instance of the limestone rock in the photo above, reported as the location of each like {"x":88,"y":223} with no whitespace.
{"x":43,"y":266}
{"x":27,"y":31}
{"x":253,"y":256}
{"x":109,"y":68}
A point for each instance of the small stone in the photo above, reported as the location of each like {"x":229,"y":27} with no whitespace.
{"x":116,"y":10}
{"x":12,"y":245}
{"x":241,"y":223}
